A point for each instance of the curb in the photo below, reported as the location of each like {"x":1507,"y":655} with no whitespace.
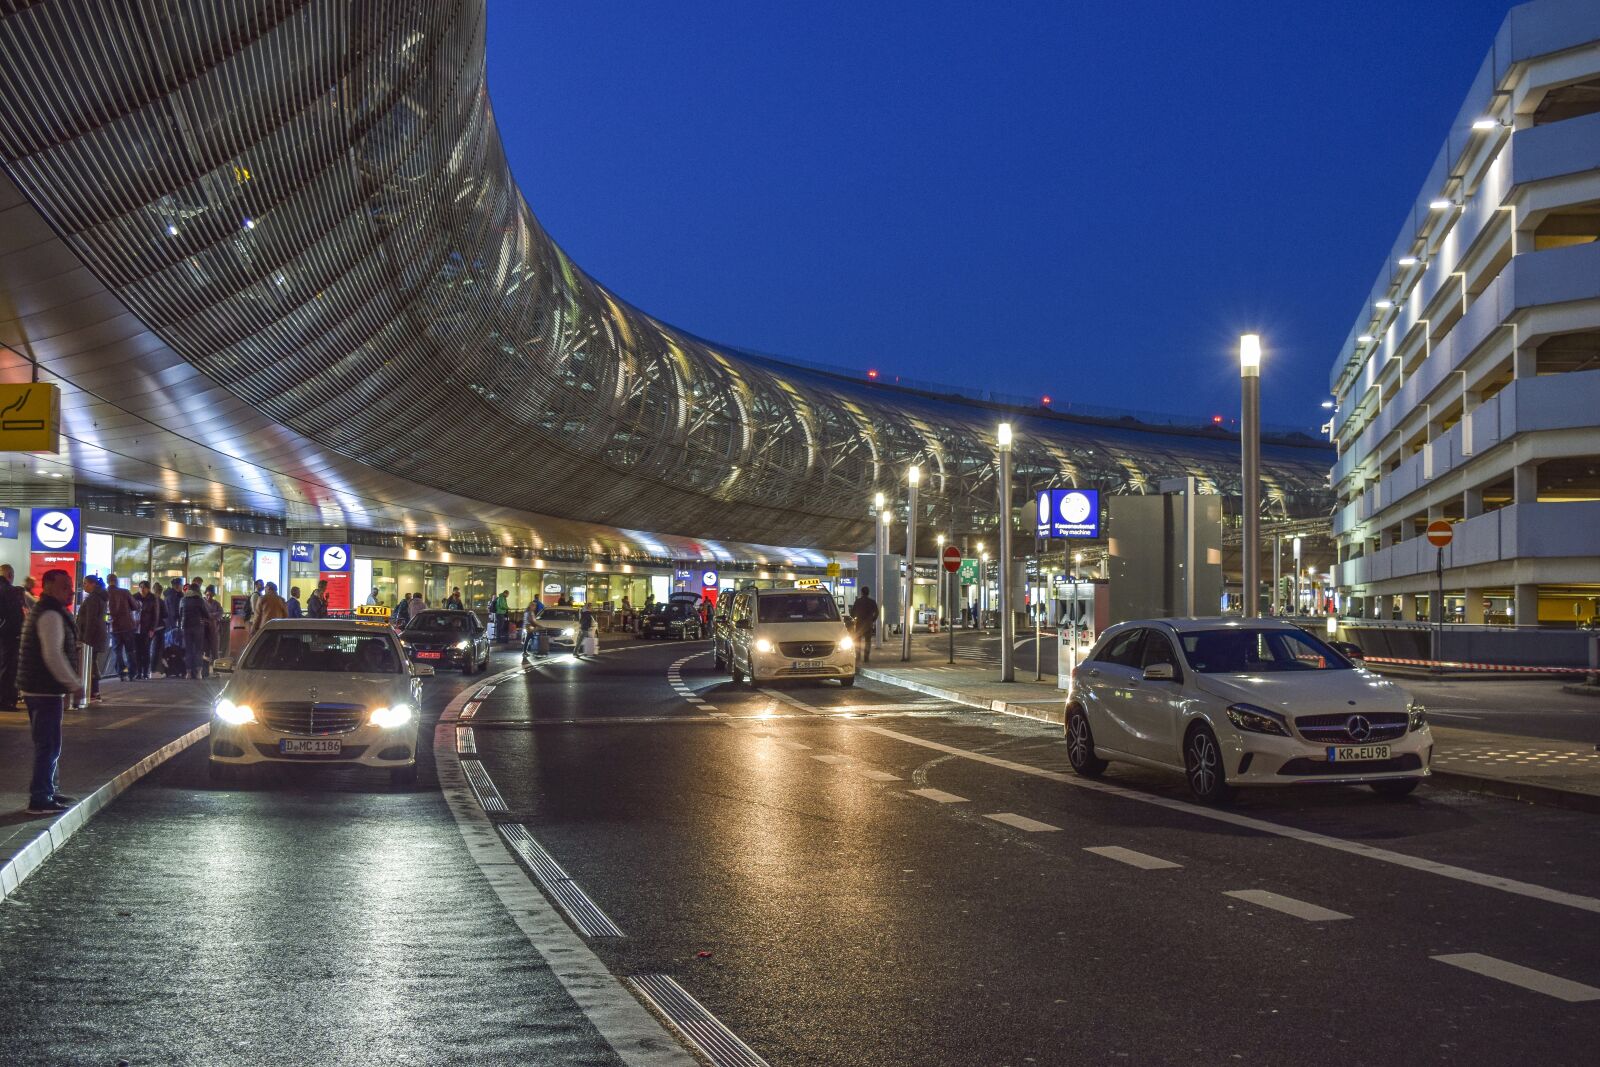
{"x":1003,"y":707}
{"x":1527,"y":792}
{"x":1582,"y":690}
{"x":32,"y":855}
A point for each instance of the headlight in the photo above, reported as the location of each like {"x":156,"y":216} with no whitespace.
{"x":568,"y":632}
{"x":846,"y":643}
{"x":388,"y":718}
{"x":763,"y":645}
{"x":1418,"y":715}
{"x":463,"y":645}
{"x":1256,"y":720}
{"x":234,"y":714}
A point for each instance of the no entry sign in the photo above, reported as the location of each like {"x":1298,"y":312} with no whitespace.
{"x":1440,"y":533}
{"x":952,"y":558}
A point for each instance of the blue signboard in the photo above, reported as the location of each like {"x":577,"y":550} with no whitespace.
{"x":708,"y":579}
{"x":10,"y":521}
{"x":300,"y":552}
{"x":56,"y":530}
{"x":335,"y":557}
{"x":1069,"y":513}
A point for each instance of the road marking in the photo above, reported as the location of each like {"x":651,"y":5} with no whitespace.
{"x":466,"y":742}
{"x":489,"y":797}
{"x":792,"y":701}
{"x":1526,"y":977}
{"x":877,"y":776}
{"x":1310,"y":837}
{"x":579,"y":909}
{"x":1288,"y":905}
{"x":1142,"y":860}
{"x":469,"y":710}
{"x":832,"y":758}
{"x":938,"y":796}
{"x":1022,"y":822}
{"x":129,"y":720}
{"x":721,"y":1046}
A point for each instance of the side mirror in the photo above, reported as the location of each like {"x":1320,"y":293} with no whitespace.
{"x":1350,"y":650}
{"x":222,"y":666}
{"x":422,"y":670}
{"x":1159,"y":672}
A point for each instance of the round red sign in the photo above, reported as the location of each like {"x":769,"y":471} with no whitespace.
{"x":952,"y":558}
{"x":1440,"y":533}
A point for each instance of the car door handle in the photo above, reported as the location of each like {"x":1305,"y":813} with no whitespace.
{"x":1091,"y":672}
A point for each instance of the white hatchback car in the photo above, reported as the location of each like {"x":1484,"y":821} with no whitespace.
{"x":319,"y":691}
{"x":1232,"y":702}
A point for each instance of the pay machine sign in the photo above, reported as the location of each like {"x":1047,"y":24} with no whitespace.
{"x":1069,"y":513}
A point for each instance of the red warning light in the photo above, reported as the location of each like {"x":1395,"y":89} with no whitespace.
{"x":1217,"y":419}
{"x":872,"y":374}
{"x":1045,"y":400}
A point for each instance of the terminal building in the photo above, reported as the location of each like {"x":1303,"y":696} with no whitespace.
{"x":1468,"y":389}
{"x":275,"y":261}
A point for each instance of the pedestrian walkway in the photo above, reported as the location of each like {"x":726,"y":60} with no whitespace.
{"x":98,"y":744}
{"x":1537,"y":770}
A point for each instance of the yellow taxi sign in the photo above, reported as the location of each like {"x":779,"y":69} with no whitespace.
{"x":371,"y":611}
{"x":808,"y":583}
{"x":30,"y":417}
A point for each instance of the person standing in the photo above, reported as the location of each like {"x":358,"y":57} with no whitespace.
{"x":255,"y":598}
{"x":585,"y":632}
{"x":92,"y":633}
{"x":47,"y":674}
{"x":192,"y":619}
{"x":12,"y":615}
{"x":216,"y":628}
{"x":864,"y":615}
{"x":453,"y":601}
{"x":146,"y":616}
{"x":169,"y":602}
{"x":372,"y":598}
{"x":119,"y":603}
{"x":293,"y":603}
{"x":271,"y":606}
{"x":29,"y":592}
{"x":502,"y":618}
{"x":317,"y":602}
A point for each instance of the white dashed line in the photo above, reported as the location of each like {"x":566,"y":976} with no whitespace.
{"x":832,"y":758}
{"x":1526,"y":977}
{"x":1022,"y":822}
{"x":877,"y":776}
{"x":1288,"y":905}
{"x":1141,"y":860}
{"x":938,"y":796}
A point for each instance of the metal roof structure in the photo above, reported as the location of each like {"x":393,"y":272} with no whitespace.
{"x":274,"y":252}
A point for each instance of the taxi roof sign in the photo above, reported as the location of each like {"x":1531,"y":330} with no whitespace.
{"x":371,"y":611}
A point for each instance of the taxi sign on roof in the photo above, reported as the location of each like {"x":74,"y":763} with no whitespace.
{"x":371,"y":611}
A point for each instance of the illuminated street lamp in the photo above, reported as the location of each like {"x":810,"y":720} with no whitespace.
{"x":938,"y":557}
{"x":1250,"y":449}
{"x":1007,"y":623}
{"x":881,"y":534}
{"x":913,"y":476}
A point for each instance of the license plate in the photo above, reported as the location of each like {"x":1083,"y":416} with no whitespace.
{"x":290,"y":746}
{"x":1346,"y":753}
{"x":430,"y":655}
{"x":806,"y":664}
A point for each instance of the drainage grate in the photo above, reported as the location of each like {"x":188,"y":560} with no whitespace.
{"x":469,"y":710}
{"x":557,"y":884}
{"x":483,"y":785}
{"x":466,"y":743}
{"x":705,"y":1031}
{"x":481,"y":693}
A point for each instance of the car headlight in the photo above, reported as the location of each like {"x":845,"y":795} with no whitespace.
{"x":390,"y":717}
{"x":846,"y":643}
{"x":763,"y":645}
{"x":1256,"y":720}
{"x":463,"y":645}
{"x":568,"y":632}
{"x":1418,"y":716}
{"x":234,"y":714}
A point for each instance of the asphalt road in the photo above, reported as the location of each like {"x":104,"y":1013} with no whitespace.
{"x":841,"y":876}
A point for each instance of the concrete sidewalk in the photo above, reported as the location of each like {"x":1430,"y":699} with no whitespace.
{"x":1537,"y":770}
{"x":104,"y":749}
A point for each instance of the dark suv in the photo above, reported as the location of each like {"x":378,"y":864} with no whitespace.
{"x":677,"y":619}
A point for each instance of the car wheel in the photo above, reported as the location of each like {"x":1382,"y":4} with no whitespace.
{"x":403,"y":777}
{"x":1395,"y":788}
{"x":733,"y":671}
{"x":847,"y":682}
{"x":1202,"y":761}
{"x":1080,"y":745}
{"x":716,"y":659}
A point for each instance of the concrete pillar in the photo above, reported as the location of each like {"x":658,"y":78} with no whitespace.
{"x":1386,"y":538}
{"x":1472,"y":503}
{"x":1525,"y":483}
{"x":1408,"y":607}
{"x":1525,"y":363}
{"x":1474,"y":598}
{"x":1527,"y":604}
{"x":1436,"y":513}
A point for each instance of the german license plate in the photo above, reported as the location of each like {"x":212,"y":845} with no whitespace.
{"x":1347,"y":753}
{"x":291,"y":746}
{"x":806,"y":664}
{"x":429,"y":655}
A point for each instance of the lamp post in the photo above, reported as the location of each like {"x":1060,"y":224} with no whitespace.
{"x":882,"y":545}
{"x":913,"y":476}
{"x":938,"y":557}
{"x":1007,"y":623}
{"x":983,"y":588}
{"x":1250,"y":448}
{"x":1294,"y":605}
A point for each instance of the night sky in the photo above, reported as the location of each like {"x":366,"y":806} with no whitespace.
{"x":1085,"y":200}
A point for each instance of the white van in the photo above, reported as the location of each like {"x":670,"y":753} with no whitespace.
{"x":789,"y":633}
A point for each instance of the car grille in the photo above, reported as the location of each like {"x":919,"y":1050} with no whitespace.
{"x":1409,"y":761}
{"x":806,"y":649}
{"x":1335,"y":729}
{"x":312,"y":720}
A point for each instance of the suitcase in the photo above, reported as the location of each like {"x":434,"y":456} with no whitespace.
{"x":590,"y":645}
{"x":172,"y":661}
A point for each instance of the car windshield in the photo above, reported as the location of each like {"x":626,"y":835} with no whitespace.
{"x":443,"y":622}
{"x":798,"y":607}
{"x":1250,"y":651}
{"x":333,"y":651}
{"x":559,"y":615}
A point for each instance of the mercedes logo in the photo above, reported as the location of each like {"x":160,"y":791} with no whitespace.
{"x":807,"y":650}
{"x":1358,"y":727}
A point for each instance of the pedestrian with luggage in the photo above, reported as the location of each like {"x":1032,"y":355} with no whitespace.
{"x":119,"y":604}
{"x":12,"y":615}
{"x":47,"y":674}
{"x":588,"y":642}
{"x":92,"y":633}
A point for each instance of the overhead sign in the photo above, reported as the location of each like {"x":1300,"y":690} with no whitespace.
{"x":30,"y":417}
{"x":10,"y":521}
{"x":969,"y":572}
{"x":833,"y":570}
{"x":1440,"y":533}
{"x":300,"y":552}
{"x":952,"y":558}
{"x":708,"y":580}
{"x":335,"y":557}
{"x":56,"y":530}
{"x":1068,"y":513}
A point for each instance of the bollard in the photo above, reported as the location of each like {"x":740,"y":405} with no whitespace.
{"x":1594,"y":659}
{"x":86,"y":675}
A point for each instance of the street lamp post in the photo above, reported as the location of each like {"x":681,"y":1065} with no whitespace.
{"x":1250,"y":448}
{"x":983,"y":588}
{"x":938,"y":557}
{"x":1294,"y":605}
{"x":882,"y":544}
{"x":1007,"y":623}
{"x":913,"y":476}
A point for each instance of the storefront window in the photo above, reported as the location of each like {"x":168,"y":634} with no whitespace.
{"x":505,"y":581}
{"x":130,"y":559}
{"x":383,"y":580}
{"x":238,"y":572}
{"x":205,"y":564}
{"x":169,"y":561}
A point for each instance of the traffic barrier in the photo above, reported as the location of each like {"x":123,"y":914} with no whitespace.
{"x":1457,"y":666}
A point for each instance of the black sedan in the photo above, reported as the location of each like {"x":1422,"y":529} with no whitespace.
{"x":676,"y":620}
{"x":447,"y":639}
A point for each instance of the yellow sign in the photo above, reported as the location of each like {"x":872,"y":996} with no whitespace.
{"x":833,"y":570}
{"x":372,"y":611}
{"x":30,"y":418}
{"x":808,"y":583}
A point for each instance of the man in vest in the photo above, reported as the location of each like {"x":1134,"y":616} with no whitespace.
{"x":47,"y":674}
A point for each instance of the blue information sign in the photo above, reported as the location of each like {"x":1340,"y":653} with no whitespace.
{"x":335,"y":557}
{"x":10,"y":520}
{"x":56,"y":530}
{"x":300,"y":552}
{"x":1069,"y":513}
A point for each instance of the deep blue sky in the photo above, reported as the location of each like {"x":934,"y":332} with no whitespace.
{"x":1090,"y":200}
